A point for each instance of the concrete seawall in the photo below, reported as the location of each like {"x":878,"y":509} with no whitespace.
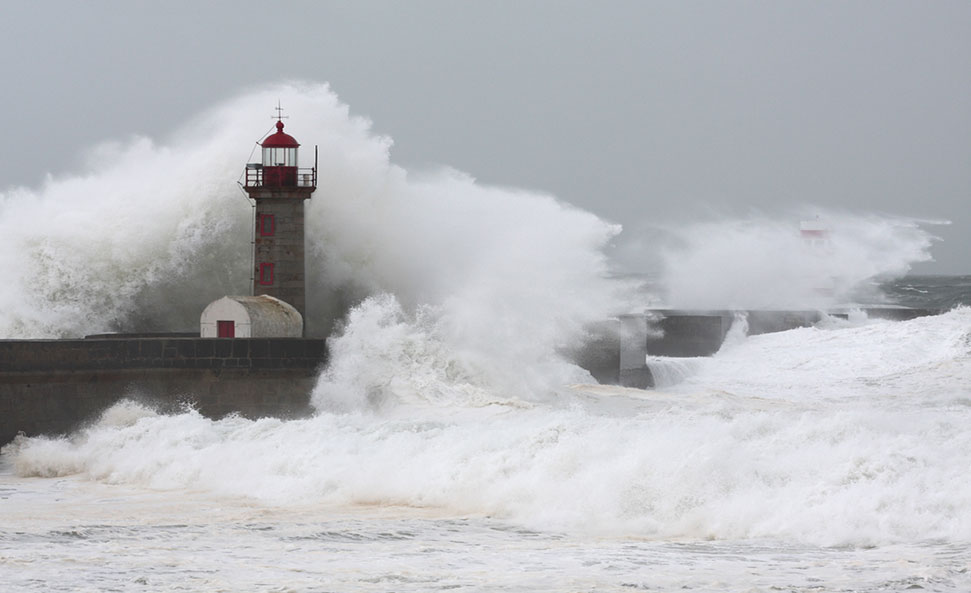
{"x":680,"y":333}
{"x":55,"y":386}
{"x":616,"y":351}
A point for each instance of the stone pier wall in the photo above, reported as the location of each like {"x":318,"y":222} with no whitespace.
{"x":56,"y":386}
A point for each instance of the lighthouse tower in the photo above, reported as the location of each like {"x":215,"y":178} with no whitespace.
{"x":279,"y":189}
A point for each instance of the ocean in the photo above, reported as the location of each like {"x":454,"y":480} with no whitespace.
{"x":832,"y":458}
{"x":453,"y":447}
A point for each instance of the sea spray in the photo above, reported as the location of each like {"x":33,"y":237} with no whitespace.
{"x":762,"y":262}
{"x":135,"y":242}
{"x":506,"y":278}
{"x":384,"y":356}
{"x":150,"y":232}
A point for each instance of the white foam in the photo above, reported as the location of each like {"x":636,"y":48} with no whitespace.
{"x":760,"y":262}
{"x":921,"y":358}
{"x":784,"y":450}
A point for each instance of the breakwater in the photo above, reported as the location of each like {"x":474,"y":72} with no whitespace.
{"x":616,"y":351}
{"x":680,"y":333}
{"x":54,"y":386}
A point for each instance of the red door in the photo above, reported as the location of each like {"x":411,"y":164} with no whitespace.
{"x":226,"y":329}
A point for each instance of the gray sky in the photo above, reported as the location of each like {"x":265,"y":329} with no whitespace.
{"x":638,"y":111}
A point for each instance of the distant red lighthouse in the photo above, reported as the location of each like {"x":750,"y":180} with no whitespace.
{"x":279,"y":189}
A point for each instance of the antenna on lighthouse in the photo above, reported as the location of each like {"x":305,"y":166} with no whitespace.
{"x":279,"y":112}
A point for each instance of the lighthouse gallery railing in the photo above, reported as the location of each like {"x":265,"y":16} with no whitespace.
{"x":291,"y":176}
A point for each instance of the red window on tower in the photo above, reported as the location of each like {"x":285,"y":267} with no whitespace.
{"x":266,"y":274}
{"x":267,"y":225}
{"x":225,"y":329}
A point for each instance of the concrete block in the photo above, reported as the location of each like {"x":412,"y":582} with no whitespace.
{"x":640,"y":378}
{"x":186,"y":348}
{"x":259,"y":348}
{"x":241,"y":348}
{"x":599,"y":354}
{"x":633,"y":341}
{"x":204,"y":348}
{"x":150,"y":349}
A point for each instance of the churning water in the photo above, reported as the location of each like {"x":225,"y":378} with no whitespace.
{"x":453,"y":447}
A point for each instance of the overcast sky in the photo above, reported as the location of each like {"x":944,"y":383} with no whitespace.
{"x":638,"y":111}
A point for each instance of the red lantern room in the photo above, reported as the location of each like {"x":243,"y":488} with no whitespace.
{"x":279,"y":166}
{"x":280,"y":159}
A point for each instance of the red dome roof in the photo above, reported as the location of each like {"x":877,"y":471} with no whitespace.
{"x":279,"y":140}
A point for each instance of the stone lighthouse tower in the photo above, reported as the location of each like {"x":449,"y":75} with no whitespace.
{"x":279,"y":189}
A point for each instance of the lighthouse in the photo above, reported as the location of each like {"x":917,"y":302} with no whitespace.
{"x":279,"y":189}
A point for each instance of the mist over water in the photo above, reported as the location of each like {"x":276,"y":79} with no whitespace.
{"x":765,"y":263}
